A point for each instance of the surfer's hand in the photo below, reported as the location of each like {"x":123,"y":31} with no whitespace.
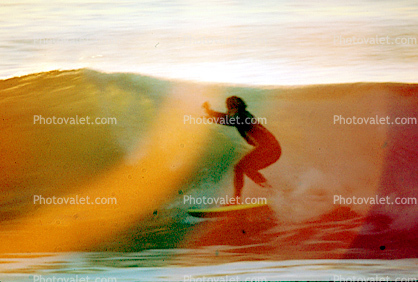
{"x":206,"y":106}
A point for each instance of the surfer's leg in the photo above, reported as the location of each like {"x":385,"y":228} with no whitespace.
{"x":259,"y":158}
{"x":245,"y":165}
{"x":251,"y":163}
{"x":238,"y":180}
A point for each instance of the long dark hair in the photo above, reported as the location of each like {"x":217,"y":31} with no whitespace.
{"x":235,"y":102}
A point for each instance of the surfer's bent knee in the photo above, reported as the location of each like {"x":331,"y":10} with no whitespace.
{"x":272,"y":150}
{"x":238,"y":167}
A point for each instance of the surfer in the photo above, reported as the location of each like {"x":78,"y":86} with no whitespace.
{"x":266,"y":150}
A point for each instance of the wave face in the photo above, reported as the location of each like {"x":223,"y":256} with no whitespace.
{"x":152,"y":158}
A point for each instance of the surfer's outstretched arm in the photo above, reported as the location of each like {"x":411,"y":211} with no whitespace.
{"x":218,"y":117}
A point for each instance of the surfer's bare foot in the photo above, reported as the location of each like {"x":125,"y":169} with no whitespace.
{"x":265,"y":185}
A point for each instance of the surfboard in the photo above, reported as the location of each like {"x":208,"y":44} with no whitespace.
{"x":223,"y":211}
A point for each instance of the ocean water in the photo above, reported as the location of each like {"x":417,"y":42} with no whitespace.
{"x":268,"y":43}
{"x":147,"y":63}
{"x":151,"y":159}
{"x":146,"y":266}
